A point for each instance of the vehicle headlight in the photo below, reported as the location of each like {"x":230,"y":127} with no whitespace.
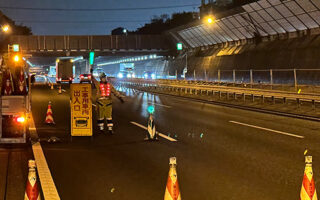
{"x":145,"y":75}
{"x":120,"y":75}
{"x":153,"y":76}
{"x":129,"y":76}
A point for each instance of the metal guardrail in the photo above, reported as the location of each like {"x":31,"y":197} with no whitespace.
{"x":195,"y":88}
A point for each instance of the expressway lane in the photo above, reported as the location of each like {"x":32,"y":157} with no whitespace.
{"x":216,"y":159}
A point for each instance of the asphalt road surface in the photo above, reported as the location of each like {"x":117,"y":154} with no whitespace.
{"x":222,"y":153}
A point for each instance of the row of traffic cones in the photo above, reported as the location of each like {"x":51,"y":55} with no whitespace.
{"x":308,"y":189}
{"x":59,"y":88}
{"x":172,"y":191}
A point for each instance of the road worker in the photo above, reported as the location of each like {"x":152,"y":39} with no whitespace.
{"x":104,"y":102}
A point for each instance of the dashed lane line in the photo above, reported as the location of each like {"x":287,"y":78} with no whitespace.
{"x":157,"y":104}
{"x":268,"y":129}
{"x":160,"y":134}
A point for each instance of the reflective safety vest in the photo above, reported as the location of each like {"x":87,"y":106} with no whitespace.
{"x":105,"y":89}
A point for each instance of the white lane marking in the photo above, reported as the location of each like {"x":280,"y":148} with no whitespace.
{"x":47,"y":184}
{"x":63,"y":90}
{"x":150,"y":102}
{"x":160,"y":134}
{"x":94,"y":105}
{"x":267,"y":129}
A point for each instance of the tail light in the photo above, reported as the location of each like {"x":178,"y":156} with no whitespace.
{"x":81,"y":76}
{"x":89,"y":76}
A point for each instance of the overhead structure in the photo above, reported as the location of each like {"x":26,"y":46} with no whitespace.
{"x":264,"y":18}
{"x":100,"y":44}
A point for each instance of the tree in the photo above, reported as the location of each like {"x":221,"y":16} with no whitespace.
{"x":15,"y":29}
{"x":162,"y":23}
{"x":118,"y":31}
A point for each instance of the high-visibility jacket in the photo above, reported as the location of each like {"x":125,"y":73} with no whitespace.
{"x":105,"y":89}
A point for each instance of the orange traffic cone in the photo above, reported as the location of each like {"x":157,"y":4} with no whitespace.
{"x":49,"y":117}
{"x":8,"y":88}
{"x":32,"y":187}
{"x":60,"y":89}
{"x":308,"y":189}
{"x":8,"y":84}
{"x":172,"y":189}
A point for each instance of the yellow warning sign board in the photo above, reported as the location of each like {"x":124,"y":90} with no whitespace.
{"x":81,"y":110}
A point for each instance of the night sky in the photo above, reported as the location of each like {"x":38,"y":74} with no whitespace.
{"x":130,"y":19}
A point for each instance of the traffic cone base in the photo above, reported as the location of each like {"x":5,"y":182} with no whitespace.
{"x":308,"y":190}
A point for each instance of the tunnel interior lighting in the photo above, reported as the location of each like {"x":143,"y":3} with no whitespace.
{"x":120,"y":75}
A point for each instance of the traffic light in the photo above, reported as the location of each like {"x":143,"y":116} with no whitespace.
{"x":91,"y":58}
{"x":179,"y":46}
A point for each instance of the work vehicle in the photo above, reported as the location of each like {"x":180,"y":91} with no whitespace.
{"x":64,"y":70}
{"x":85,"y":78}
{"x":14,"y":99}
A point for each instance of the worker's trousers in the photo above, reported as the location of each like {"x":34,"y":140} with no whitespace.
{"x":104,"y":110}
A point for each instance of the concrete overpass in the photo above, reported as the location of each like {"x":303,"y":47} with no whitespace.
{"x":102,"y":45}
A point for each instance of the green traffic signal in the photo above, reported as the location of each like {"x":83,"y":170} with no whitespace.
{"x":179,"y":46}
{"x":91,"y":58}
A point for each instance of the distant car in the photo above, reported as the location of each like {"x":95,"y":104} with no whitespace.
{"x":149,"y":75}
{"x":126,"y":74}
{"x":85,"y":78}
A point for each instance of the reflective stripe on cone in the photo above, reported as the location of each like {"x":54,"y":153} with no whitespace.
{"x":32,"y":187}
{"x":151,"y":128}
{"x":308,"y":190}
{"x":172,"y":188}
{"x":49,"y":117}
